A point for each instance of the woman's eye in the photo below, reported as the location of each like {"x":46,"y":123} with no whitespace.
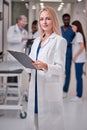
{"x":48,"y":18}
{"x":41,"y":19}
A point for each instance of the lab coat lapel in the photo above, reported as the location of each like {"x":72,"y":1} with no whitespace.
{"x":52,"y":36}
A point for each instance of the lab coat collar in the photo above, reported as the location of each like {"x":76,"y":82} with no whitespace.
{"x":17,"y":28}
{"x":52,"y":36}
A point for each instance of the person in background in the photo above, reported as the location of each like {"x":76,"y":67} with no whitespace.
{"x":68,"y":34}
{"x":34,"y":33}
{"x":79,"y":57}
{"x":45,"y":91}
{"x":17,"y":37}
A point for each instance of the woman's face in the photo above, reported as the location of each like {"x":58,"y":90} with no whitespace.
{"x":46,"y":22}
{"x":74,"y":28}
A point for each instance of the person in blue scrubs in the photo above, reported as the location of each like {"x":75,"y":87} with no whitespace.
{"x":68,"y":34}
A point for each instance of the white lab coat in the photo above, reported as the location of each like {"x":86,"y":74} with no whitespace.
{"x":50,"y":84}
{"x":33,"y":36}
{"x":14,"y":39}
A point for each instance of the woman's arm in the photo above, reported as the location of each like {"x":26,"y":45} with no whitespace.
{"x":78,"y":52}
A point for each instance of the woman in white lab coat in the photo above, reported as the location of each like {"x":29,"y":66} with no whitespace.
{"x":45,"y":91}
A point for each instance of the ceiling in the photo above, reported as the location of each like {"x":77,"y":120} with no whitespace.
{"x":65,"y":1}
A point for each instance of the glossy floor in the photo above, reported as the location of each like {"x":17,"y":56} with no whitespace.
{"x":75,"y":113}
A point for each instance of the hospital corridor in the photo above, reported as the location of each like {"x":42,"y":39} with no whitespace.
{"x":22,"y":106}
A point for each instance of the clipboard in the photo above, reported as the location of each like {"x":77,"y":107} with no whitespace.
{"x":24,"y":59}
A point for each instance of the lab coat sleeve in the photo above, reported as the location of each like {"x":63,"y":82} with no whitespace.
{"x":13,"y":36}
{"x":58,"y":68}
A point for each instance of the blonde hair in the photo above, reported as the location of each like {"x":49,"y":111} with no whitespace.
{"x":54,"y":18}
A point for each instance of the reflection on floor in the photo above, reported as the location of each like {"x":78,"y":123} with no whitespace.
{"x":75,"y":113}
{"x":75,"y":117}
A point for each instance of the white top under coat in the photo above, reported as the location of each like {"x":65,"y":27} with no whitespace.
{"x":78,"y":39}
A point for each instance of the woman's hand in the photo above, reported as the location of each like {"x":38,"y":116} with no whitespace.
{"x":25,"y":38}
{"x":79,"y":52}
{"x":40,"y":65}
{"x":74,"y":58}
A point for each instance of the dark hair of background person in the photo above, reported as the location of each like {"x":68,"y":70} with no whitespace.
{"x":34,"y":22}
{"x":65,"y":15}
{"x":79,"y":29}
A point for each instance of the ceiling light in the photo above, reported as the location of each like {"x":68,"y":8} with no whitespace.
{"x":26,"y":5}
{"x":33,"y":7}
{"x":84,"y":11}
{"x":51,"y":0}
{"x":60,"y":6}
{"x":62,"y":3}
{"x":79,"y":0}
{"x":42,"y":5}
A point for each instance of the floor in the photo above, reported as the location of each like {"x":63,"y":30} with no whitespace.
{"x":75,"y":113}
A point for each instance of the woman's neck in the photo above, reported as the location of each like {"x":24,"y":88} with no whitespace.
{"x":47,"y":34}
{"x":44,"y":38}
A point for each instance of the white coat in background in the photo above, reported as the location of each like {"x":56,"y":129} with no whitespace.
{"x":49,"y":83}
{"x":14,"y":39}
{"x":33,"y":36}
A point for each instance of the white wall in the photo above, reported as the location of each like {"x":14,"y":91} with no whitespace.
{"x":6,"y":24}
{"x":1,"y":22}
{"x":9,"y":1}
{"x":78,"y":13}
{"x":1,"y":2}
{"x":66,"y":9}
{"x":74,"y":9}
{"x":32,"y":14}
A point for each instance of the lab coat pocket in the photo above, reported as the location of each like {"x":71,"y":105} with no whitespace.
{"x":53,"y":91}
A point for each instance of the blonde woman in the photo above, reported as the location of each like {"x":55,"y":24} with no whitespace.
{"x":45,"y":91}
